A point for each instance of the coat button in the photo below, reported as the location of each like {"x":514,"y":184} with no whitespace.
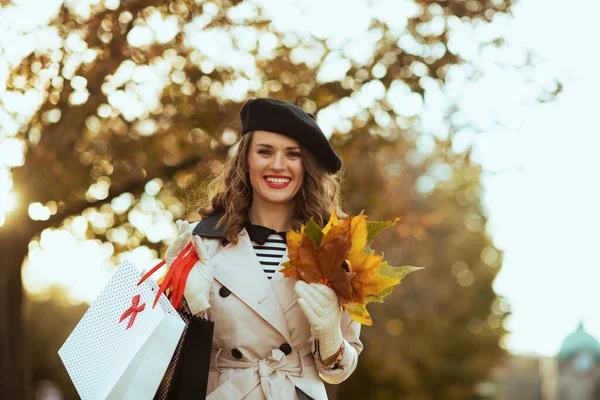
{"x":224,"y":292}
{"x":236,"y":353}
{"x":286,"y":348}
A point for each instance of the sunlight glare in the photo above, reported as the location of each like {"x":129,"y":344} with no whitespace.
{"x":39,"y":212}
{"x":12,"y":152}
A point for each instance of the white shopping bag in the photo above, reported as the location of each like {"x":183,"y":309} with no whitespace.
{"x":122,"y":346}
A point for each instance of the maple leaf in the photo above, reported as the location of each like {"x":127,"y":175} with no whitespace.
{"x":335,"y":247}
{"x":313,"y":231}
{"x":376,"y":227}
{"x":333,"y":220}
{"x":394,"y":272}
{"x":340,"y":256}
{"x":322,"y":264}
{"x":367,"y":281}
{"x":359,"y":313}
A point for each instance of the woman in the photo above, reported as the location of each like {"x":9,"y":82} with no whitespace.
{"x":275,"y":338}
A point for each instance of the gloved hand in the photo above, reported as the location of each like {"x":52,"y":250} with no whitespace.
{"x":321,"y":307}
{"x":199,"y":281}
{"x":184,"y":235}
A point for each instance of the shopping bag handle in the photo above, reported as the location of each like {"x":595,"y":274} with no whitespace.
{"x":176,"y":275}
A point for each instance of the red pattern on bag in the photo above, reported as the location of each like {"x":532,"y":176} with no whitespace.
{"x":133,"y":311}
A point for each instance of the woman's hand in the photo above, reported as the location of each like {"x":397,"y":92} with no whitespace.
{"x":321,"y":307}
{"x":199,"y":281}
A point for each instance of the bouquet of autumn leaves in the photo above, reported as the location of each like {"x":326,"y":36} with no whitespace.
{"x":340,"y":257}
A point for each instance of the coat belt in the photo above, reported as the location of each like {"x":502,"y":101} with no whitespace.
{"x":259,"y":372}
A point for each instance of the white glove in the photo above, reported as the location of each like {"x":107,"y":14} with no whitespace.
{"x":184,"y":235}
{"x":199,"y":281}
{"x":321,"y":307}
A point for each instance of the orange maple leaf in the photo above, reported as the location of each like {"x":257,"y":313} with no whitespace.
{"x":321,"y":264}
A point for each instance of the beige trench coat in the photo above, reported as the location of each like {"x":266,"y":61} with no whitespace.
{"x":258,"y":321}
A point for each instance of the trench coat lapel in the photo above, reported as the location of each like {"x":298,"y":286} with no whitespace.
{"x":238,"y":268}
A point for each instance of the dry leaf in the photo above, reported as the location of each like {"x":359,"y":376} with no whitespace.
{"x":367,"y":281}
{"x":322,"y":264}
{"x":340,"y":257}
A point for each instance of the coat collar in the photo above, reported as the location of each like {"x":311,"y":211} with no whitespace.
{"x":260,"y":234}
{"x":208,"y":228}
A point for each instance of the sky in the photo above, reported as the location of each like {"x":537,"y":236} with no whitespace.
{"x":543,"y":207}
{"x":540,"y":169}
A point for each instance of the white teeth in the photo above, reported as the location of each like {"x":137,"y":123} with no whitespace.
{"x":278,"y":180}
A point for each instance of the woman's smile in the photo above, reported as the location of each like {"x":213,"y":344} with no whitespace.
{"x":277,"y":182}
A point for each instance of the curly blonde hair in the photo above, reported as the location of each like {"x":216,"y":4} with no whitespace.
{"x":230,"y":192}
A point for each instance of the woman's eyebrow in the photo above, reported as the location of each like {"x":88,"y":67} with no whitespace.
{"x":268,"y":146}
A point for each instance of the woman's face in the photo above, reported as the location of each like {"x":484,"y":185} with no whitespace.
{"x":276,"y":168}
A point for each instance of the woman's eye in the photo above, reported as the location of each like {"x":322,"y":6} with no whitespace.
{"x":294,"y":154}
{"x":264,"y":151}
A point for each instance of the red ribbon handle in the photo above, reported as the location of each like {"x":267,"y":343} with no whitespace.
{"x":176,"y":276}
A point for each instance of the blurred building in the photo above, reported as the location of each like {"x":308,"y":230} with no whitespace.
{"x":574,"y":374}
{"x":525,"y":378}
{"x":579,"y":367}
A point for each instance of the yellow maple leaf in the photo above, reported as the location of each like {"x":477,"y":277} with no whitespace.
{"x":367,"y":281}
{"x":359,"y":313}
{"x":333,"y":220}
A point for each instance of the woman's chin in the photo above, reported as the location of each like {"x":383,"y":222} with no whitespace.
{"x":278,"y":200}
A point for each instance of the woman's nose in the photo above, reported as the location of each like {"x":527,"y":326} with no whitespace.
{"x":278,"y":161}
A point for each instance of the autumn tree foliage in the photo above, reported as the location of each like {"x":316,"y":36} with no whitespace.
{"x":438,"y":335}
{"x":118,"y":102}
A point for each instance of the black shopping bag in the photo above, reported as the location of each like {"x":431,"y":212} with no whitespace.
{"x":187,"y":374}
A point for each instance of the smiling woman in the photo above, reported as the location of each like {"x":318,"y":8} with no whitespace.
{"x":275,"y":337}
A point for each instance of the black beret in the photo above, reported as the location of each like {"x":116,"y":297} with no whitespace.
{"x":277,"y":116}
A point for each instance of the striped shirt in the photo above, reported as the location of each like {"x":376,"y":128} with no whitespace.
{"x":271,"y":253}
{"x":269,"y":247}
